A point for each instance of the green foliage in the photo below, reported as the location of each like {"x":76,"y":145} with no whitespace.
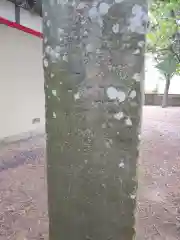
{"x":168,"y":65}
{"x":163,"y":38}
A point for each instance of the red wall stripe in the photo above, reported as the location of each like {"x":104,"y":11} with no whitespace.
{"x":20,"y":27}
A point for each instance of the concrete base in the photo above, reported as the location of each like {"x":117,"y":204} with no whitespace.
{"x":156,"y":99}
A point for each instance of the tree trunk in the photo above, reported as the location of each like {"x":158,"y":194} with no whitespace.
{"x":166,"y":90}
{"x":94,"y":68}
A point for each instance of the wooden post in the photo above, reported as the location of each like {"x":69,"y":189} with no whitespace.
{"x":17,"y":12}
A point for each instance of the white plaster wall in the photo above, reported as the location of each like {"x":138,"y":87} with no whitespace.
{"x":21,"y":82}
{"x":27,"y":19}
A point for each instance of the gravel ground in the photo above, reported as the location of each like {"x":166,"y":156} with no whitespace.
{"x":23,"y":201}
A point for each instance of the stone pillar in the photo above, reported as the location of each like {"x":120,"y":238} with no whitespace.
{"x":94,"y":68}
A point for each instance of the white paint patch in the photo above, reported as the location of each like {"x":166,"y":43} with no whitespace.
{"x":65,"y":58}
{"x":54,"y":92}
{"x":137,"y":52}
{"x":119,"y":115}
{"x":133,"y":196}
{"x":85,"y":34}
{"x":85,"y":161}
{"x":115,"y":94}
{"x":45,"y":63}
{"x":94,"y":4}
{"x":48,"y":49}
{"x":178,"y":22}
{"x":45,"y":14}
{"x":73,"y":3}
{"x":103,"y":9}
{"x":137,"y":77}
{"x":121,"y":165}
{"x":45,"y":40}
{"x":81,"y":6}
{"x":76,"y":96}
{"x":57,"y":49}
{"x":48,"y":23}
{"x":100,"y":21}
{"x":128,"y":122}
{"x":56,"y":55}
{"x":60,"y":31}
{"x":93,"y":13}
{"x":132,"y":94}
{"x":60,"y":83}
{"x":108,"y":143}
{"x":115,"y":28}
{"x":52,"y":75}
{"x":98,"y":51}
{"x":141,"y":44}
{"x":139,"y":18}
{"x":54,"y":115}
{"x":127,"y":45}
{"x":118,"y":1}
{"x":89,"y":48}
{"x":62,"y":2}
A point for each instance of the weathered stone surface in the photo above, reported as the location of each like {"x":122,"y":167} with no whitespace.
{"x":94,"y":68}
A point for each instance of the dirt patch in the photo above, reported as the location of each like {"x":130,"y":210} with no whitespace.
{"x":159,"y":175}
{"x":23,"y":201}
